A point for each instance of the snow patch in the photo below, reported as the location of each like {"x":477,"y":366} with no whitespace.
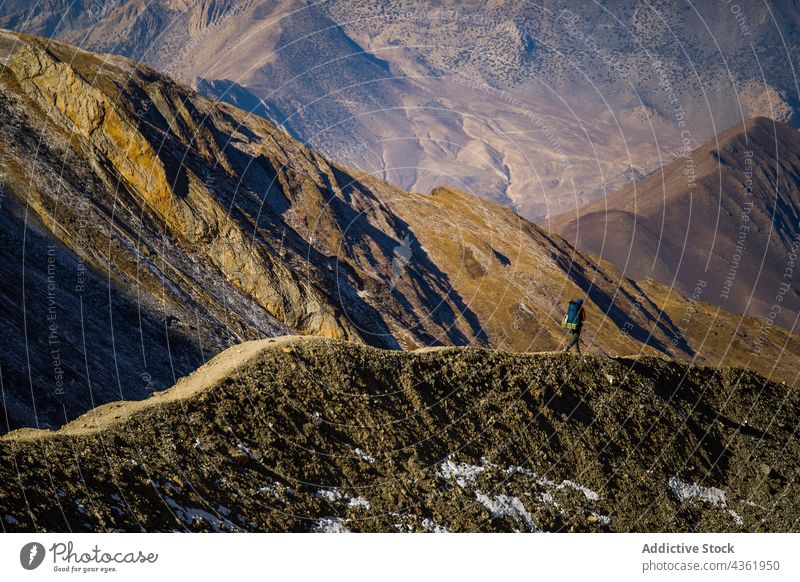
{"x":328,"y":494}
{"x":273,"y":490}
{"x":736,"y":517}
{"x":331,"y":525}
{"x":549,"y":501}
{"x":588,"y":493}
{"x":507,"y":506}
{"x":601,"y":519}
{"x":359,"y":502}
{"x":334,"y":495}
{"x":710,"y":495}
{"x":402,"y":525}
{"x":364,"y":456}
{"x":433,"y":527}
{"x":687,"y":491}
{"x":549,"y":484}
{"x":463,"y":473}
{"x":189,"y":515}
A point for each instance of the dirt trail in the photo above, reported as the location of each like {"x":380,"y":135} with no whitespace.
{"x":204,"y":378}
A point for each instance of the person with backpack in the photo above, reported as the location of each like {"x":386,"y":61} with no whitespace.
{"x":573,"y":321}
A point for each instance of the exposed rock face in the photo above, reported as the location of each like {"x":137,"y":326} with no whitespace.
{"x":120,"y":180}
{"x":205,"y":13}
{"x":166,"y":184}
{"x":196,"y":225}
{"x":309,"y":434}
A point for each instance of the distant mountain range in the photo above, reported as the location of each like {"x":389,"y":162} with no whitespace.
{"x":725,"y":218}
{"x":147,"y":228}
{"x":543,"y":107}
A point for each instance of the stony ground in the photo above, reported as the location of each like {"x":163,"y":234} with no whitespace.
{"x":311,"y":434}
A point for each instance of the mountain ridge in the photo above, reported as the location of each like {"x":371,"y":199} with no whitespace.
{"x":543,"y":109}
{"x":728,"y":213}
{"x":226,"y":229}
{"x":555,"y":442}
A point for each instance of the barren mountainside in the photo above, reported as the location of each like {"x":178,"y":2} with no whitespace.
{"x":312,"y":434}
{"x":726,"y":214}
{"x":148,"y":228}
{"x":543,"y":107}
{"x":220,"y":312}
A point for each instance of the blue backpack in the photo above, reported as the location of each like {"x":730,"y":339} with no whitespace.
{"x":572,"y":319}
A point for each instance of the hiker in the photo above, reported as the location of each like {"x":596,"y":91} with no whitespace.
{"x":573,"y":321}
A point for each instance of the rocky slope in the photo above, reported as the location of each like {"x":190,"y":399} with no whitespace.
{"x":543,"y":107}
{"x":305,"y":434}
{"x":148,"y":228}
{"x":727,"y":214}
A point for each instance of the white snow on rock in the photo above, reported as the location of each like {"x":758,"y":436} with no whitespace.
{"x":331,"y":525}
{"x":402,"y":525}
{"x":273,"y":489}
{"x":711,"y":495}
{"x":736,"y":517}
{"x":549,"y":484}
{"x":588,"y":493}
{"x":358,"y":502}
{"x":364,"y":456}
{"x":328,"y":494}
{"x":463,"y":473}
{"x":333,"y":495}
{"x":548,"y":500}
{"x":601,"y":519}
{"x":517,"y":469}
{"x":507,"y":506}
{"x":10,"y":520}
{"x":434,"y":527}
{"x":189,"y":515}
{"x":687,"y":491}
